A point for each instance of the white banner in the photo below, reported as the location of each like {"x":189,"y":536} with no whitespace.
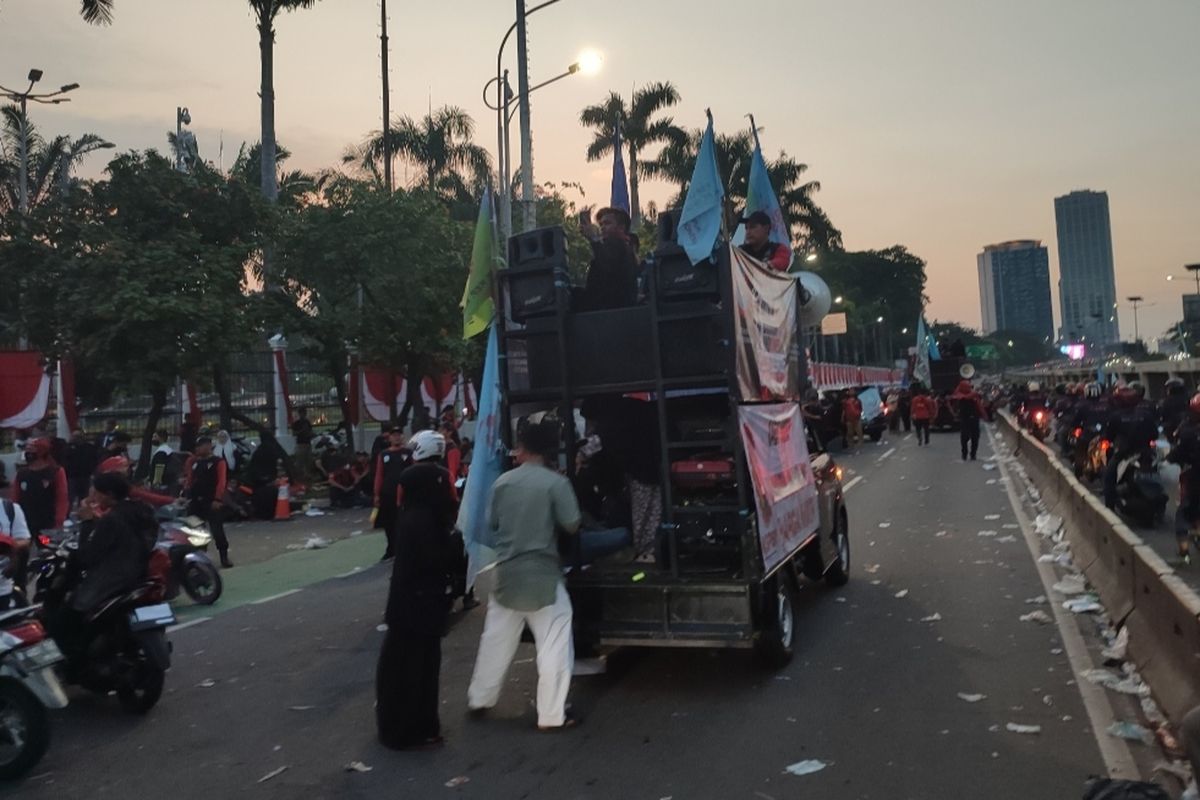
{"x":766,"y":305}
{"x":785,"y":490}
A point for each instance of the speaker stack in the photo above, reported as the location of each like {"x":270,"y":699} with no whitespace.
{"x":537,"y":264}
{"x":679,"y":279}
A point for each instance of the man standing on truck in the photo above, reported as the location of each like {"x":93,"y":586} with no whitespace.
{"x":758,"y":242}
{"x":529,"y":505}
{"x":612,"y":275}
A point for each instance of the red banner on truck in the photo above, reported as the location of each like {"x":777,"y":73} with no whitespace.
{"x":785,"y":490}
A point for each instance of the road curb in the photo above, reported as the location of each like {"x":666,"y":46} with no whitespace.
{"x":1136,"y":585}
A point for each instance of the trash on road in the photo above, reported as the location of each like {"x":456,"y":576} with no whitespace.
{"x":989,"y":467}
{"x":207,"y":683}
{"x":301,"y":708}
{"x":990,"y":482}
{"x":1047,"y":524}
{"x":454,"y":783}
{"x":1028,"y":729}
{"x":1083,"y":605}
{"x":971,"y":698}
{"x":940,"y":534}
{"x":1117,"y":647}
{"x":807,"y":767}
{"x":991,"y":517}
{"x":316,"y":543}
{"x":1132,"y":732}
{"x":275,"y":773}
{"x":1131,"y":684}
{"x":382,"y":628}
{"x":314,"y":512}
{"x":357,"y":766}
{"x":1071,"y":584}
{"x":987,"y":533}
{"x":356,"y":533}
{"x":1006,"y":539}
{"x":1038,"y":616}
{"x":1040,"y":600}
{"x":923,"y":488}
{"x":934,"y":617}
{"x":885,"y":524}
{"x":870,"y":569}
{"x":901,"y":594}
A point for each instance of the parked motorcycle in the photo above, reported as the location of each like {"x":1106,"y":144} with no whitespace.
{"x":1141,"y":495}
{"x":185,"y":541}
{"x":127,"y":652}
{"x":28,"y":688}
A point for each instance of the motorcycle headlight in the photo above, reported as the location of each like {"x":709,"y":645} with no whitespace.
{"x":198,"y":538}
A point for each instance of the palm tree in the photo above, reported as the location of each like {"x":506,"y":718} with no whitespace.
{"x":50,"y":162}
{"x":292,"y":185}
{"x":439,"y":146}
{"x":96,"y":12}
{"x":639,"y":130}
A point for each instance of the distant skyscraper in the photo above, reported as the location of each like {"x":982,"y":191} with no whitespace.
{"x":1086,"y":283}
{"x":1014,"y":288}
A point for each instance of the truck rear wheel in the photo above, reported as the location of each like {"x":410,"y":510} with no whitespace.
{"x":776,"y":642}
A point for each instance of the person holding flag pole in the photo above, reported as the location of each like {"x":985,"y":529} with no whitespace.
{"x":763,"y":233}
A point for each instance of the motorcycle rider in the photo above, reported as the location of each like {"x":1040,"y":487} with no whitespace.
{"x":205,"y":490}
{"x":1064,"y":406}
{"x":1173,"y":410}
{"x":969,"y":407}
{"x":115,"y":540}
{"x":1186,"y":453}
{"x":1032,"y":400}
{"x":1132,"y":428}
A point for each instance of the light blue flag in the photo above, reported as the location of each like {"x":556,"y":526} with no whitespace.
{"x":619,"y":197}
{"x":703,"y":207}
{"x":486,"y":466}
{"x":872,"y":403}
{"x":921,"y":370}
{"x":760,"y":196}
{"x":934,"y":352}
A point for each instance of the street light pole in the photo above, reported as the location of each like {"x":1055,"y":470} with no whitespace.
{"x":1135,"y":300}
{"x":529,"y":216}
{"x":387,"y":99}
{"x":23,"y":185}
{"x":21,"y":99}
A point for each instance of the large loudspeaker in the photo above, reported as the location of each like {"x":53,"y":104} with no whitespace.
{"x":679,"y":279}
{"x":695,"y":345}
{"x":543,"y":248}
{"x":530,"y":294}
{"x":668,"y":226}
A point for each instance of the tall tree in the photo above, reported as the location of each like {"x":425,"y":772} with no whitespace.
{"x":50,"y":161}
{"x":265,"y":12}
{"x":641,"y":128}
{"x":439,"y":146}
{"x":96,"y":12}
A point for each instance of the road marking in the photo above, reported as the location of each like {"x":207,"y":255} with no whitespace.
{"x":851,"y":484}
{"x":1115,"y":752}
{"x":188,"y":624}
{"x":273,"y":597}
{"x":354,"y":571}
{"x":888,"y":453}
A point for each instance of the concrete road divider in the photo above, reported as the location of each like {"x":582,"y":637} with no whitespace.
{"x":1137,"y":587}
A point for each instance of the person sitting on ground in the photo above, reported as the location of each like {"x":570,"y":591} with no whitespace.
{"x":347,"y":485}
{"x":758,"y":242}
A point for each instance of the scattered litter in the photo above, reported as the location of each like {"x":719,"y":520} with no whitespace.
{"x":1047,"y":524}
{"x":454,"y":783}
{"x":934,"y":617}
{"x":885,"y":524}
{"x":1046,"y":558}
{"x":987,"y":533}
{"x":1056,"y":651}
{"x":990,"y":482}
{"x":356,"y":533}
{"x":301,"y":708}
{"x":1153,"y":715}
{"x":1131,"y":685}
{"x":990,"y":517}
{"x":923,"y":488}
{"x":1131,"y":732}
{"x":805,"y":767}
{"x":870,"y":569}
{"x":314,"y":512}
{"x":382,"y":628}
{"x":316,"y":543}
{"x":1071,"y":584}
{"x":638,"y":578}
{"x":1083,"y":605}
{"x":1048,"y":700}
{"x":971,"y":698}
{"x":1011,"y":526}
{"x":275,"y":773}
{"x":902,"y":594}
{"x":1006,"y":539}
{"x":1040,"y":600}
{"x":1038,"y":616}
{"x":1016,"y":728}
{"x":1117,"y":649}
{"x":989,"y":467}
{"x":940,"y":534}
{"x":839,"y":600}
{"x":876,"y":582}
{"x":357,"y":766}
{"x":207,"y":683}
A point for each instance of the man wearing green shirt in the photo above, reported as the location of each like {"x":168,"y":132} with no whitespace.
{"x":529,"y":505}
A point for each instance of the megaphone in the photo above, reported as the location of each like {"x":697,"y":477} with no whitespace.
{"x":967,"y":371}
{"x":819,"y":301}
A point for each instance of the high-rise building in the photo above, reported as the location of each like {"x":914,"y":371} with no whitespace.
{"x":1014,"y":288}
{"x":1087,"y":286}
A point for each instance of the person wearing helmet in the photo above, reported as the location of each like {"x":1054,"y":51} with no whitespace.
{"x":406,"y":680}
{"x":1186,"y":453}
{"x":968,"y":407}
{"x":1132,"y":428}
{"x":1174,"y":407}
{"x":1032,"y":401}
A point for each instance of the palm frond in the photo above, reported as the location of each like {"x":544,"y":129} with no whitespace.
{"x":96,"y":12}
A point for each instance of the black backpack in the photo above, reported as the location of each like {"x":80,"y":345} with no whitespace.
{"x":1108,"y":789}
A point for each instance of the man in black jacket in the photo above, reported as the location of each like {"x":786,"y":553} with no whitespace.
{"x":613,"y":274}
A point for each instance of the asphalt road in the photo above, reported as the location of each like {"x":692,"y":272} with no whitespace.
{"x":932,"y":610}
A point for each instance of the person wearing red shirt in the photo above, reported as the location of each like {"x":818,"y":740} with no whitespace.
{"x":852,"y":418}
{"x":758,"y":242}
{"x":40,"y":488}
{"x":924,"y":409}
{"x":969,"y":407}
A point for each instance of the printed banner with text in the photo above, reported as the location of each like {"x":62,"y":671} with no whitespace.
{"x":766,"y":305}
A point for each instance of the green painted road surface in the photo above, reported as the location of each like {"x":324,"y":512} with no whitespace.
{"x":287,"y":573}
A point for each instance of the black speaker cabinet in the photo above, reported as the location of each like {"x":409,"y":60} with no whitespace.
{"x":611,"y":346}
{"x":696,"y":345}
{"x":543,"y":248}
{"x":679,"y":279}
{"x":666,"y":242}
{"x":530,"y":294}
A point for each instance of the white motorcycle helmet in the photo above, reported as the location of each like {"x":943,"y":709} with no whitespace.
{"x":427,"y":445}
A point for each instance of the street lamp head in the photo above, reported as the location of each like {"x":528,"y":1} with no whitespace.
{"x":904,"y":330}
{"x":1192,"y":267}
{"x":879,"y":319}
{"x":70,"y":87}
{"x":35,"y":75}
{"x":838,"y":299}
{"x":589,"y":63}
{"x":811,"y":257}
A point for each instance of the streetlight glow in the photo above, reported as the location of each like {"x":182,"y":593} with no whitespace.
{"x":590,"y":62}
{"x":837,"y":299}
{"x":811,"y":257}
{"x":880,"y":319}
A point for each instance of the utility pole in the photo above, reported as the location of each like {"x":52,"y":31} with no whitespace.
{"x":1135,"y":300}
{"x":387,"y":106}
{"x":527,"y":200}
{"x":21,"y":99}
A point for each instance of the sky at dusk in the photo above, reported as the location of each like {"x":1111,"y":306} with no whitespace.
{"x":942,"y":125}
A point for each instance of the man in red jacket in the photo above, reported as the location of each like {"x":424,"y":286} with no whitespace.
{"x":40,"y":488}
{"x":924,"y":409}
{"x":969,"y":406}
{"x":852,"y":418}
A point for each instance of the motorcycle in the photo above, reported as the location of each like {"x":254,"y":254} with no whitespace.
{"x":127,"y":652}
{"x":1141,"y":495}
{"x":1039,"y":423}
{"x":1098,"y":453}
{"x":185,"y":541}
{"x":1079,"y":443}
{"x":28,"y":687}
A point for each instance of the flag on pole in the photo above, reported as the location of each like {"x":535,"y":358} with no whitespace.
{"x":703,"y":208}
{"x":486,"y":466}
{"x":477,"y":305}
{"x":921,"y":370}
{"x":760,"y":196}
{"x":620,"y":185}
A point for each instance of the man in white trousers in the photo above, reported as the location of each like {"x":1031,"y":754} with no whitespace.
{"x":528,"y":506}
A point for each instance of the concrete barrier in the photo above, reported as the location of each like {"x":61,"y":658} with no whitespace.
{"x":1136,"y":586}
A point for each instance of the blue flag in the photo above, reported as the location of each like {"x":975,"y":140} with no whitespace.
{"x":703,"y":207}
{"x":760,"y":196}
{"x":620,"y":186}
{"x":934,"y":352}
{"x":486,"y":466}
